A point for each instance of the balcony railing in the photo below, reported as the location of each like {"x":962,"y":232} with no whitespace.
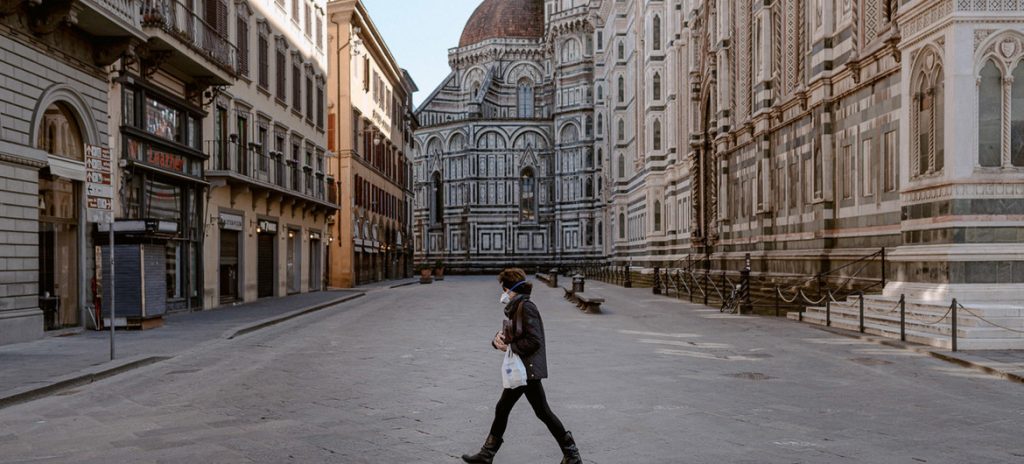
{"x":177,"y":19}
{"x":271,"y":170}
{"x":128,"y":10}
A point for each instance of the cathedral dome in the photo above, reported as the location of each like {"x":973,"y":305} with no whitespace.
{"x":498,"y":19}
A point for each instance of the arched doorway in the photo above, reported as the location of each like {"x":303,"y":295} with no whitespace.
{"x":60,"y":188}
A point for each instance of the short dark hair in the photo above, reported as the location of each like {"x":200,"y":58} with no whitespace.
{"x":511,"y":276}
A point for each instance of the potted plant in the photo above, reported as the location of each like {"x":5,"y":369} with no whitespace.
{"x":439,"y":270}
{"x":426,"y":272}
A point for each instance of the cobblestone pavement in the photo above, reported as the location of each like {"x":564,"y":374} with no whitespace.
{"x":407,"y":375}
{"x":40,"y":361}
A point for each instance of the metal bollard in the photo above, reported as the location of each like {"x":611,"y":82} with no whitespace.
{"x":953,"y":332}
{"x":862,"y":312}
{"x":828,"y":313}
{"x":776,"y":301}
{"x":903,"y":318}
{"x":656,"y":287}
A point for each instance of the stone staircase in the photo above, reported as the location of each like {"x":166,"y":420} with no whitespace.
{"x":925,"y":321}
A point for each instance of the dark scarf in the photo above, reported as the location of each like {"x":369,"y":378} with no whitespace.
{"x":511,"y":307}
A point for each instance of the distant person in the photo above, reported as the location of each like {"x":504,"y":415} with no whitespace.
{"x":524,"y":335}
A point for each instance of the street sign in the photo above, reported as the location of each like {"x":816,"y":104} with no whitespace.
{"x":99,"y":188}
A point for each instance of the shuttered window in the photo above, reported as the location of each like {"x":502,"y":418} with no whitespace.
{"x":242,"y":31}
{"x":282,"y":74}
{"x":263,"y":62}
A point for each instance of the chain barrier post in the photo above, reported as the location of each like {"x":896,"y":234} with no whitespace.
{"x":748,"y":306}
{"x":883,"y":268}
{"x":656,"y":287}
{"x":862,"y":312}
{"x":903,"y":317}
{"x":953,"y":332}
{"x":828,"y":313}
{"x":776,"y":301}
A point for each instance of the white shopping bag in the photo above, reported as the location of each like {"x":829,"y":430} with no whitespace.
{"x":513,"y":372}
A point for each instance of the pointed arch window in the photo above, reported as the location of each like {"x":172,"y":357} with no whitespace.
{"x":600,"y":124}
{"x":656,"y":33}
{"x":622,"y":131}
{"x":927,"y":128}
{"x":990,"y":99}
{"x":589,"y":126}
{"x":600,"y":233}
{"x":621,"y":51}
{"x":437,"y":205}
{"x":589,"y":189}
{"x":622,"y":166}
{"x":657,"y":216}
{"x":656,"y":142}
{"x":525,"y":95}
{"x":622,"y":226}
{"x":622,"y":90}
{"x":527,"y":196}
{"x":656,"y":86}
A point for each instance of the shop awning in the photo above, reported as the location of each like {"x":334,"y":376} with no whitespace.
{"x":68,"y":169}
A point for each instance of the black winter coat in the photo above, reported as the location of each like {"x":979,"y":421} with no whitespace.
{"x":529,"y":344}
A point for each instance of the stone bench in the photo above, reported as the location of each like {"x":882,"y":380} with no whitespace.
{"x":587,"y":303}
{"x":568,"y":292}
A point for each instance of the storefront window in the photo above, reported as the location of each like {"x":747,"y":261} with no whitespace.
{"x":162,"y":120}
{"x":164,"y":201}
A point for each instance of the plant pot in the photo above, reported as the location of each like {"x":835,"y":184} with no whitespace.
{"x":439,"y":273}
{"x":425,"y":276}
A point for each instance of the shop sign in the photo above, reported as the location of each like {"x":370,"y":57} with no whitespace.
{"x":267,"y":227}
{"x":231,"y":221}
{"x":99,"y":190}
{"x":162,"y":159}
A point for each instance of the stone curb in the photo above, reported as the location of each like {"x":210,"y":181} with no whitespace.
{"x":274,"y":320}
{"x":403,"y":284}
{"x":922,"y":349}
{"x":82,"y":377}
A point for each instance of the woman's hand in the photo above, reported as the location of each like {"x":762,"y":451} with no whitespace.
{"x":499,"y":342}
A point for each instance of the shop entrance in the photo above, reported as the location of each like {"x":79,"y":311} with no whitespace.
{"x":293,"y":272}
{"x":228,"y":266}
{"x":314,"y":262}
{"x":265,"y":265}
{"x":58,"y":252}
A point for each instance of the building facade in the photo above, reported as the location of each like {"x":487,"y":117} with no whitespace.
{"x":271,"y":196}
{"x":371,"y":126}
{"x":806,"y":134}
{"x":506,"y":168}
{"x":55,"y":63}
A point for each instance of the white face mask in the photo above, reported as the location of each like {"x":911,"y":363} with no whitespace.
{"x":505,"y":299}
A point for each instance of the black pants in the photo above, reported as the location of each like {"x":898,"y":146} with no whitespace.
{"x":534,"y":392}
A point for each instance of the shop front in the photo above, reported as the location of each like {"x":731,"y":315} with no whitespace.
{"x":230,"y":256}
{"x":266,"y":253}
{"x":161,"y":183}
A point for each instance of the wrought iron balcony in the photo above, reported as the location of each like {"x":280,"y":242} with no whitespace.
{"x":179,"y":21}
{"x":112,"y":18}
{"x":242,"y":163}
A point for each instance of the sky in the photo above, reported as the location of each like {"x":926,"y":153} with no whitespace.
{"x":419,"y":34}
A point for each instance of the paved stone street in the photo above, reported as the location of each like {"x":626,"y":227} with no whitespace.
{"x":407,"y":375}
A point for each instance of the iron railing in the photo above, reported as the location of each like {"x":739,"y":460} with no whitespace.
{"x":177,"y":19}
{"x":270,"y":169}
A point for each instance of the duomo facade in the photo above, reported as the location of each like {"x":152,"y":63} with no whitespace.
{"x":806,"y":133}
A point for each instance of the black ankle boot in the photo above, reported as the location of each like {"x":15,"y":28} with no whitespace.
{"x":486,"y":454}
{"x":571,"y":455}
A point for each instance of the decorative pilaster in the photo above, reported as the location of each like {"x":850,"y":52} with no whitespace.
{"x":1006,"y":129}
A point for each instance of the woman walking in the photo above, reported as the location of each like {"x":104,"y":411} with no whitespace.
{"x":523,"y":333}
